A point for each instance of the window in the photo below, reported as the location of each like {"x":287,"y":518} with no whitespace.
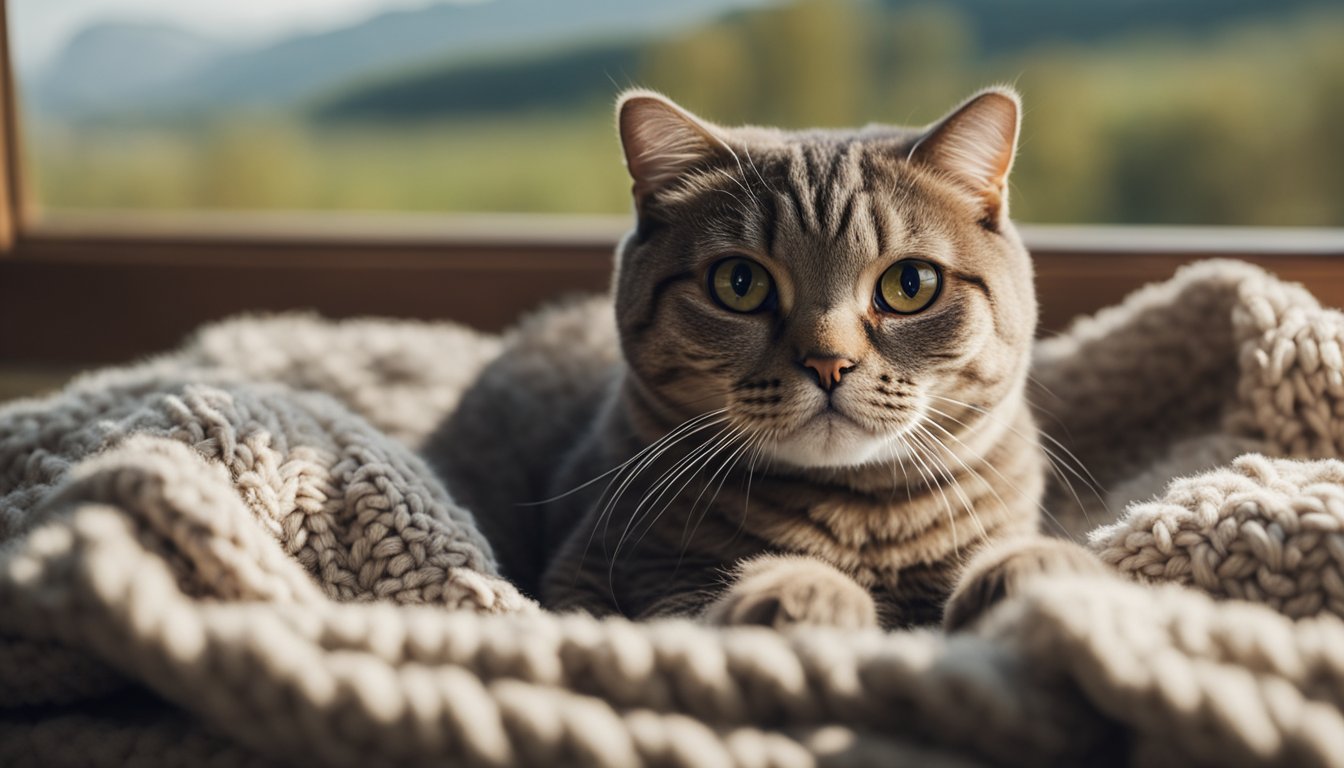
{"x":163,"y":164}
{"x":1188,"y":112}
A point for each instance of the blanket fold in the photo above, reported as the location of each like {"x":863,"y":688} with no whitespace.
{"x":232,"y":554}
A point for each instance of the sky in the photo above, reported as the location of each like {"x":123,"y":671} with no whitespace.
{"x":39,"y":28}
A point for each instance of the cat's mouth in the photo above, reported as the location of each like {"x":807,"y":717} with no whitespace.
{"x":831,"y":416}
{"x":829,"y":438}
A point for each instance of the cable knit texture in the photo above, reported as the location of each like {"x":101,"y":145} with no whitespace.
{"x":231,"y":555}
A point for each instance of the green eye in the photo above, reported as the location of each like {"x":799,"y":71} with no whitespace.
{"x":740,"y":285}
{"x":908,"y":286}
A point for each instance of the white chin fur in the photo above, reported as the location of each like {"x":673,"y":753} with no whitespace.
{"x":832,"y":441}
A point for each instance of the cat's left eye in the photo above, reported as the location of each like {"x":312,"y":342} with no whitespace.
{"x":740,"y":284}
{"x":908,"y":286}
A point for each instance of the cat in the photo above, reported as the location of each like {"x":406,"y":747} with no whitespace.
{"x":808,"y":407}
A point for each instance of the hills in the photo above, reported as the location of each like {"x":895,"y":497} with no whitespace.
{"x":115,"y":67}
{"x":109,"y":66}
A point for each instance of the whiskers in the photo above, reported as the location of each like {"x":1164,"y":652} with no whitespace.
{"x":1059,"y":467}
{"x":943,"y":462}
{"x":722,"y":450}
{"x":924,"y":464}
{"x":717,"y":447}
{"x":623,"y":474}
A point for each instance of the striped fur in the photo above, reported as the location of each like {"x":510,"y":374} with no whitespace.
{"x":745,"y":491}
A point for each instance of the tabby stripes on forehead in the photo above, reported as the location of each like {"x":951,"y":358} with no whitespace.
{"x":803,"y":184}
{"x":847,"y":214}
{"x":800,"y":214}
{"x":770,"y":210}
{"x":881,"y":219}
{"x":822,"y":184}
{"x":823,"y":189}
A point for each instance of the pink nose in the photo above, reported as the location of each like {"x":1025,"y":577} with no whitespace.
{"x":828,"y":370}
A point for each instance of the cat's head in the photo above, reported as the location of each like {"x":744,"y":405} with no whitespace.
{"x":832,"y":291}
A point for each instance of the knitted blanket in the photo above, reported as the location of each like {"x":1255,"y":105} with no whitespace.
{"x":232,"y":554}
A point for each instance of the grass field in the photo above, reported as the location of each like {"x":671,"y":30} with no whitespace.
{"x":563,"y":164}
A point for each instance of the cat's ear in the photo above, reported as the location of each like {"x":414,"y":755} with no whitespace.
{"x":662,"y":141}
{"x":975,"y":145}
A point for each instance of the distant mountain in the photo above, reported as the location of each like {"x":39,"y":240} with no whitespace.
{"x":111,"y":66}
{"x":298,"y":68}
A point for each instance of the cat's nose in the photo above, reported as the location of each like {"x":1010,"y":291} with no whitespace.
{"x":829,"y":370}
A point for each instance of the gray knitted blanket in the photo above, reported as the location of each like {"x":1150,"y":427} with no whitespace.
{"x":232,"y":555}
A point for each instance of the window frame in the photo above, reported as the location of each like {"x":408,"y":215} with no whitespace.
{"x":94,"y":287}
{"x":12,"y":197}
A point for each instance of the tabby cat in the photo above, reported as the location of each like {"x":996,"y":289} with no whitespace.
{"x":809,"y":408}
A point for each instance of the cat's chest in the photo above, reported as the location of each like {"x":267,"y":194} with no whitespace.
{"x":872,"y":536}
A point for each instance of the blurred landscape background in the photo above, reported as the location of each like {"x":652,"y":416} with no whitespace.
{"x":1137,"y":111}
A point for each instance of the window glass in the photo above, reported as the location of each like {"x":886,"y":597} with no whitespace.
{"x":1137,"y":111}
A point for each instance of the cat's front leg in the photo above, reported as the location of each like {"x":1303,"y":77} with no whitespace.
{"x":1001,"y":570}
{"x":783,"y":591}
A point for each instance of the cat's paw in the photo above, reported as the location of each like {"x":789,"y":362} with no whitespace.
{"x":1001,"y":570}
{"x":781,"y":592}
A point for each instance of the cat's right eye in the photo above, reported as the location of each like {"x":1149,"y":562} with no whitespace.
{"x":907,"y":287}
{"x":740,"y":284}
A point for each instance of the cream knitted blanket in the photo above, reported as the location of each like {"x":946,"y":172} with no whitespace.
{"x":232,"y":555}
